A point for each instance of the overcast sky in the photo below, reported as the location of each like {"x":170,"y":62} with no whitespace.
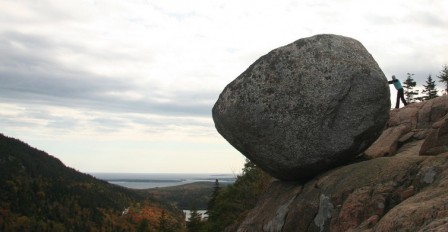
{"x":128,"y":85}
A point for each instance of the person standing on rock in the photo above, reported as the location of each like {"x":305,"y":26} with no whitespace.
{"x":400,"y":92}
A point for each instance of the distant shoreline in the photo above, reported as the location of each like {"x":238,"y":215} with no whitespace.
{"x":156,"y":180}
{"x":140,"y":180}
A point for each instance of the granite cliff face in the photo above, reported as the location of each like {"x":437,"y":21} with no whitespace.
{"x":399,"y":184}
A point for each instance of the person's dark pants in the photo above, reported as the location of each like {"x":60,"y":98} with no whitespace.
{"x":400,"y":95}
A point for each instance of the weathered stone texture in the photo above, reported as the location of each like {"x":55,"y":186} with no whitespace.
{"x":414,"y":122}
{"x":402,"y":192}
{"x":437,"y":140}
{"x":305,"y":107}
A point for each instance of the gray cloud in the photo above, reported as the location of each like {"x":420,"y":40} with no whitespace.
{"x":90,"y":92}
{"x":29,"y":73}
{"x":8,"y":122}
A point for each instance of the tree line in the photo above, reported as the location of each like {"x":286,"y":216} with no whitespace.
{"x":228,"y":205}
{"x":429,"y":90}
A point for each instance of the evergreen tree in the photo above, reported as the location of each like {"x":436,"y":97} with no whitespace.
{"x":143,"y":226}
{"x":408,"y":86}
{"x":235,"y":199}
{"x":211,"y":203}
{"x":164,"y":225}
{"x":430,"y":89}
{"x":195,"y":223}
{"x":443,"y":76}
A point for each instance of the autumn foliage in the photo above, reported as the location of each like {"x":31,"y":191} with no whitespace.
{"x":39,"y":193}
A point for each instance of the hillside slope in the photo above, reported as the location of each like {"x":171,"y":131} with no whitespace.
{"x":39,"y":193}
{"x":399,"y":184}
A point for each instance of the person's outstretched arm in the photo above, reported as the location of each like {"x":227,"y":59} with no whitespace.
{"x":392,"y":81}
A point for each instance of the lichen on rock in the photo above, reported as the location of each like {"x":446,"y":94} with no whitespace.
{"x":305,"y":107}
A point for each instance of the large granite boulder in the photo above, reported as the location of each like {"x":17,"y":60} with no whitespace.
{"x":305,"y":107}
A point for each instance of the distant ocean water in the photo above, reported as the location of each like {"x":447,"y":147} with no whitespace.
{"x":154,"y":180}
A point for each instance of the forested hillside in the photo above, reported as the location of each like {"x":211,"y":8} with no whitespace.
{"x":39,"y":193}
{"x":187,"y":196}
{"x":229,"y":204}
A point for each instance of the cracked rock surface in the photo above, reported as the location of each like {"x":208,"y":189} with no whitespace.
{"x":403,"y":191}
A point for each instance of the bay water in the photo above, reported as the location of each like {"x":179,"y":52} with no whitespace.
{"x":157,"y":180}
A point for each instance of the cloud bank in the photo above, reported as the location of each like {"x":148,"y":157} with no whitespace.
{"x":113,"y":82}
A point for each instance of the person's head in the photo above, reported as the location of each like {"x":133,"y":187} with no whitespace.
{"x":393,"y":77}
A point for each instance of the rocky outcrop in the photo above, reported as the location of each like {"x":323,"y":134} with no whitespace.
{"x":396,"y":188}
{"x":437,"y":139}
{"x":305,"y":107}
{"x":414,"y":122}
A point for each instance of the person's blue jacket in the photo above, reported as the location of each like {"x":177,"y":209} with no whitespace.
{"x":396,"y":83}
